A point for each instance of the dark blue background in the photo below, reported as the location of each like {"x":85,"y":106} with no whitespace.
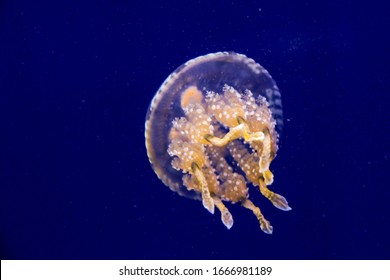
{"x":75,"y":83}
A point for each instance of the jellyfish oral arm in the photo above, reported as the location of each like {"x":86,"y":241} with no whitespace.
{"x":239,"y":131}
{"x":264,"y":224}
{"x":208,"y":202}
{"x":226,"y":217}
{"x":277,"y":200}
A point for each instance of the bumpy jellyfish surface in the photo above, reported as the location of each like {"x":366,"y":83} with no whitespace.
{"x":212,"y":129}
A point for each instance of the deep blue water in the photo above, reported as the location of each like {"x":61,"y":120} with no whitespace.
{"x":75,"y":83}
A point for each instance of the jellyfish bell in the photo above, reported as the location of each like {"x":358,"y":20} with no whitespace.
{"x":212,"y":128}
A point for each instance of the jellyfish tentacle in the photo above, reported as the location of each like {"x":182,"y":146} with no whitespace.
{"x":249,"y":135}
{"x":240,"y":131}
{"x":226,"y":217}
{"x":207,"y":201}
{"x":264,"y":224}
{"x":234,"y":133}
{"x":265,"y":153}
{"x":248,"y":162}
{"x":277,"y":200}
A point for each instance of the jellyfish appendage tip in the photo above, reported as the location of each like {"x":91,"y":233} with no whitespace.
{"x":264,"y":224}
{"x":208,"y":203}
{"x":227,"y":219}
{"x":276,"y":199}
{"x":266,"y":227}
{"x":280,"y":202}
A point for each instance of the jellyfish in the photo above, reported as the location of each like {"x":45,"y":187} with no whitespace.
{"x":212,"y":130}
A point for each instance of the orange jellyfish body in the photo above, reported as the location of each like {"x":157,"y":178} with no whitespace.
{"x":212,"y":129}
